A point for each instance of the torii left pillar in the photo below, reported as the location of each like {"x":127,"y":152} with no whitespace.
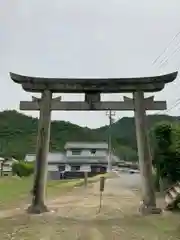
{"x":39,"y":188}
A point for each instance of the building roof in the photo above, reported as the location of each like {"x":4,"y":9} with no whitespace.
{"x":104,"y":85}
{"x":60,"y":158}
{"x":52,"y":157}
{"x":87,"y":160}
{"x":91,"y":160}
{"x":86,"y":145}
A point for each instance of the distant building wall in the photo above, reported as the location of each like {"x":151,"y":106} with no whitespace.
{"x":52,"y":167}
{"x":7,"y":166}
{"x":86,"y":152}
{"x":89,"y":157}
{"x":53,"y":175}
{"x":77,"y":173}
{"x":30,"y":158}
{"x":85,"y":168}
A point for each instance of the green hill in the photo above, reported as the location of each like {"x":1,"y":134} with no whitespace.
{"x":124,"y":129}
{"x":18,"y":134}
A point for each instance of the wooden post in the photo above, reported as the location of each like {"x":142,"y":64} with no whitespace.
{"x":101,"y":189}
{"x":145,"y":161}
{"x":2,"y":166}
{"x":39,"y":189}
{"x":85,"y":179}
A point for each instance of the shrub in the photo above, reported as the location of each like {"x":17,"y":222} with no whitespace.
{"x":166,"y":153}
{"x":22,"y":169}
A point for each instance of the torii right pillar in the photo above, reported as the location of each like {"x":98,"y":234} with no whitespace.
{"x":148,"y":205}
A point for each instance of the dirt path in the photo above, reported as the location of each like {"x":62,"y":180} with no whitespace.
{"x":84,"y":204}
{"x":81,"y":202}
{"x":75,"y":216}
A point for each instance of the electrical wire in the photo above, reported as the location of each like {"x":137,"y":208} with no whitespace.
{"x":175,"y":104}
{"x":165,"y":50}
{"x":166,"y":60}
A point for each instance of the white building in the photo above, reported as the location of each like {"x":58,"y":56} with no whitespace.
{"x":78,"y":158}
{"x":6,"y":166}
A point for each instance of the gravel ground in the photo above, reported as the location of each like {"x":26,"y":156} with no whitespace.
{"x":76,"y":216}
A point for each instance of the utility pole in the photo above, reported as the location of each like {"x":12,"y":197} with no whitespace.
{"x":110,"y":114}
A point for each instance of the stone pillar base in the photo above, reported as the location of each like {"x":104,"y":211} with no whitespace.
{"x":148,"y":210}
{"x":37,"y":209}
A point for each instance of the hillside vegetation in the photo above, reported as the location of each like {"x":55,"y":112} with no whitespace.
{"x":18,"y":134}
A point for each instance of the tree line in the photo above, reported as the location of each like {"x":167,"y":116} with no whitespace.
{"x":18,"y":134}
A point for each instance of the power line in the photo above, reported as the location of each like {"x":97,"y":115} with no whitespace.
{"x":165,"y":61}
{"x":175,"y":104}
{"x":165,"y":50}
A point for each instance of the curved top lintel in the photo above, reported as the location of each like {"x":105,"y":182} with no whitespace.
{"x":125,"y":81}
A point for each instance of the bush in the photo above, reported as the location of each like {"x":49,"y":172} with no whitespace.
{"x":166,"y":153}
{"x":22,"y":169}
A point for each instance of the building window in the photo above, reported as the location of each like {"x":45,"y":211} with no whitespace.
{"x":76,"y":151}
{"x":93,"y":151}
{"x":75,"y":168}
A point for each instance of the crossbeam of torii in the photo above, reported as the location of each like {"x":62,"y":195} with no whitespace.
{"x":126,"y":105}
{"x":92,"y":87}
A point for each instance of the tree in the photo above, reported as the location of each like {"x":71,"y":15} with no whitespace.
{"x":17,"y":130}
{"x":166,"y":156}
{"x":22,"y":169}
{"x":126,"y":153}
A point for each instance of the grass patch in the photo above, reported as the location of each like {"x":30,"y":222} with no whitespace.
{"x":15,"y":191}
{"x":58,"y":187}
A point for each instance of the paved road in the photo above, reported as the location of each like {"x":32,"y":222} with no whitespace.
{"x":127,"y":180}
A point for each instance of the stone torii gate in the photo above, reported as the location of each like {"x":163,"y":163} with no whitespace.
{"x":92,"y":87}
